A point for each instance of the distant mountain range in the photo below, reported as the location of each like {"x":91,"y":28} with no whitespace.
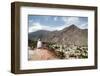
{"x":69,"y":35}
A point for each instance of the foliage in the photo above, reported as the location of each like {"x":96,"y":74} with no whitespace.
{"x":32,"y":43}
{"x":64,"y":51}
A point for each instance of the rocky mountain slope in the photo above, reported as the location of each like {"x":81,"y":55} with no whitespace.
{"x":67,"y":36}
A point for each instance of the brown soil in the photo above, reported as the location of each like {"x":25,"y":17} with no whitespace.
{"x":42,"y":54}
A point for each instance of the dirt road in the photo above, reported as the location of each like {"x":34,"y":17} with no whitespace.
{"x":41,"y":54}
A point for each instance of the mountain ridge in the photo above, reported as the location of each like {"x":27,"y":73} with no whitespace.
{"x":68,"y":35}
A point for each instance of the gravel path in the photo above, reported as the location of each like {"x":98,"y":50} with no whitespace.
{"x":41,"y":54}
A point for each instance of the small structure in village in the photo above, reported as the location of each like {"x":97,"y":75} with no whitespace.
{"x":39,"y":43}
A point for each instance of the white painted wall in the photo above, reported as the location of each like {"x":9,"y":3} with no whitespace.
{"x":5,"y":42}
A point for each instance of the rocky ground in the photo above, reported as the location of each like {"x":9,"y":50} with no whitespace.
{"x":55,"y":51}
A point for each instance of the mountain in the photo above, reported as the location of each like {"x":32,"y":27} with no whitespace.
{"x":38,"y":34}
{"x":66,"y":36}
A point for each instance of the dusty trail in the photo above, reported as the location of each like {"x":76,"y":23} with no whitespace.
{"x":41,"y":54}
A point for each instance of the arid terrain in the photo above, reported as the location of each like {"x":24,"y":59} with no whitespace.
{"x":68,"y":43}
{"x":41,"y":54}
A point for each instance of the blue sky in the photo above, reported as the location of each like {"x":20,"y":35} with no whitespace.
{"x":51,"y":23}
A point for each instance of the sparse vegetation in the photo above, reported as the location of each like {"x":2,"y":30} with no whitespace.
{"x":32,"y":43}
{"x":63,"y":51}
{"x":73,"y":51}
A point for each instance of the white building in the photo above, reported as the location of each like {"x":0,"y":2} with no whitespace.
{"x":39,"y":43}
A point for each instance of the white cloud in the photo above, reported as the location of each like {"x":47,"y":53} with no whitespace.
{"x":30,"y":20}
{"x":68,"y":21}
{"x":84,"y":26}
{"x":74,"y":20}
{"x":55,"y":18}
{"x":64,"y":19}
{"x":37,"y":26}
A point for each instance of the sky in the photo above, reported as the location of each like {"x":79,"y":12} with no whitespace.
{"x":51,"y":23}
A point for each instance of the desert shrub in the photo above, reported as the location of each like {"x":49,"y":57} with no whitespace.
{"x":32,"y":43}
{"x":60,"y":54}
